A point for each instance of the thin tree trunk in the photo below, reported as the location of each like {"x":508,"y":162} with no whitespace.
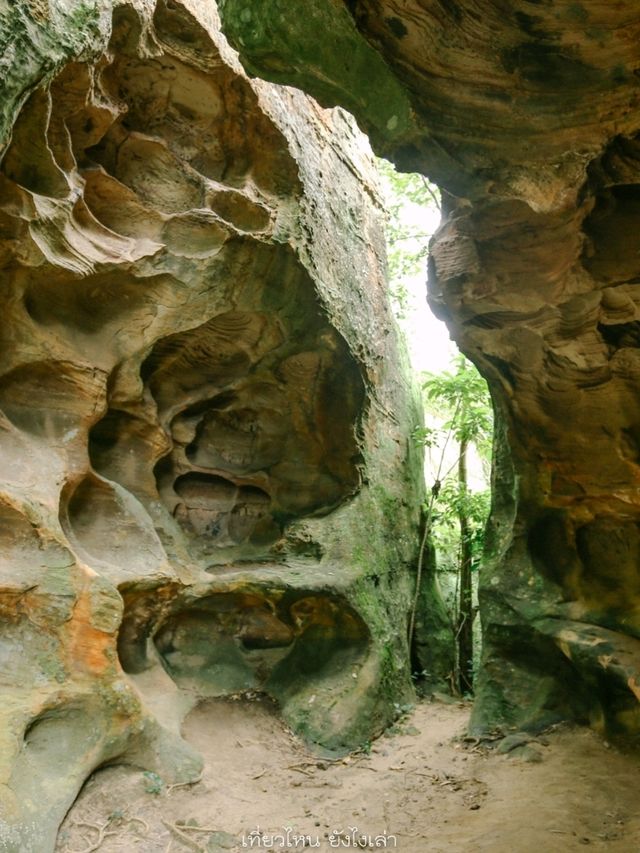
{"x":465,"y":610}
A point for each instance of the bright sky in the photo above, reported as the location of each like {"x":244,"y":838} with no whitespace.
{"x":427,"y":337}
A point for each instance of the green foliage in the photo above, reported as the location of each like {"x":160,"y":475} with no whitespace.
{"x":458,"y":515}
{"x":409,"y":199}
{"x":153,"y":783}
{"x":426,"y":436}
{"x":460,"y":399}
{"x":452,"y":502}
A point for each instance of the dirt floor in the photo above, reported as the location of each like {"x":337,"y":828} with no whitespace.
{"x":422,"y":787}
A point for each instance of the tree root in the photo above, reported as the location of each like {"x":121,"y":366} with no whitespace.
{"x":103,"y":831}
{"x":182,"y":835}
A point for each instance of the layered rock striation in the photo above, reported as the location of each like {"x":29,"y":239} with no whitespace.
{"x":527,"y":115}
{"x":207,"y":485}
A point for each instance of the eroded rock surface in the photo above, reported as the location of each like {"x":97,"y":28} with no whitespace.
{"x":527,"y":115}
{"x":207,"y":483}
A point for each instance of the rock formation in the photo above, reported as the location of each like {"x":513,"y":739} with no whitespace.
{"x":207,"y":481}
{"x":526,"y":114}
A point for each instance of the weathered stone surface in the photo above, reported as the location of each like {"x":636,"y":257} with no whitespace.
{"x":514,"y":741}
{"x":527,"y":116}
{"x":207,"y":483}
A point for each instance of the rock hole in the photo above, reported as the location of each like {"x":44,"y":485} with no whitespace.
{"x":108,"y":525}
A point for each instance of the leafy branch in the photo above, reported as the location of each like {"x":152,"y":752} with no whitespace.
{"x":457,"y":514}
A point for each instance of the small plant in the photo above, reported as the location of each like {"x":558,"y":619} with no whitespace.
{"x":153,"y":782}
{"x":403,"y":710}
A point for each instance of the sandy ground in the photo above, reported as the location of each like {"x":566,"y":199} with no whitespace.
{"x":422,"y":785}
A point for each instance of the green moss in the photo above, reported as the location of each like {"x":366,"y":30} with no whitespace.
{"x":106,"y":605}
{"x":389,"y":673}
{"x":577,"y":12}
{"x":52,"y":667}
{"x":85,"y":16}
{"x":32,"y":47}
{"x":279,"y":41}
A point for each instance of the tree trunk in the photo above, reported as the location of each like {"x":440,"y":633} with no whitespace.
{"x":464,"y":629}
